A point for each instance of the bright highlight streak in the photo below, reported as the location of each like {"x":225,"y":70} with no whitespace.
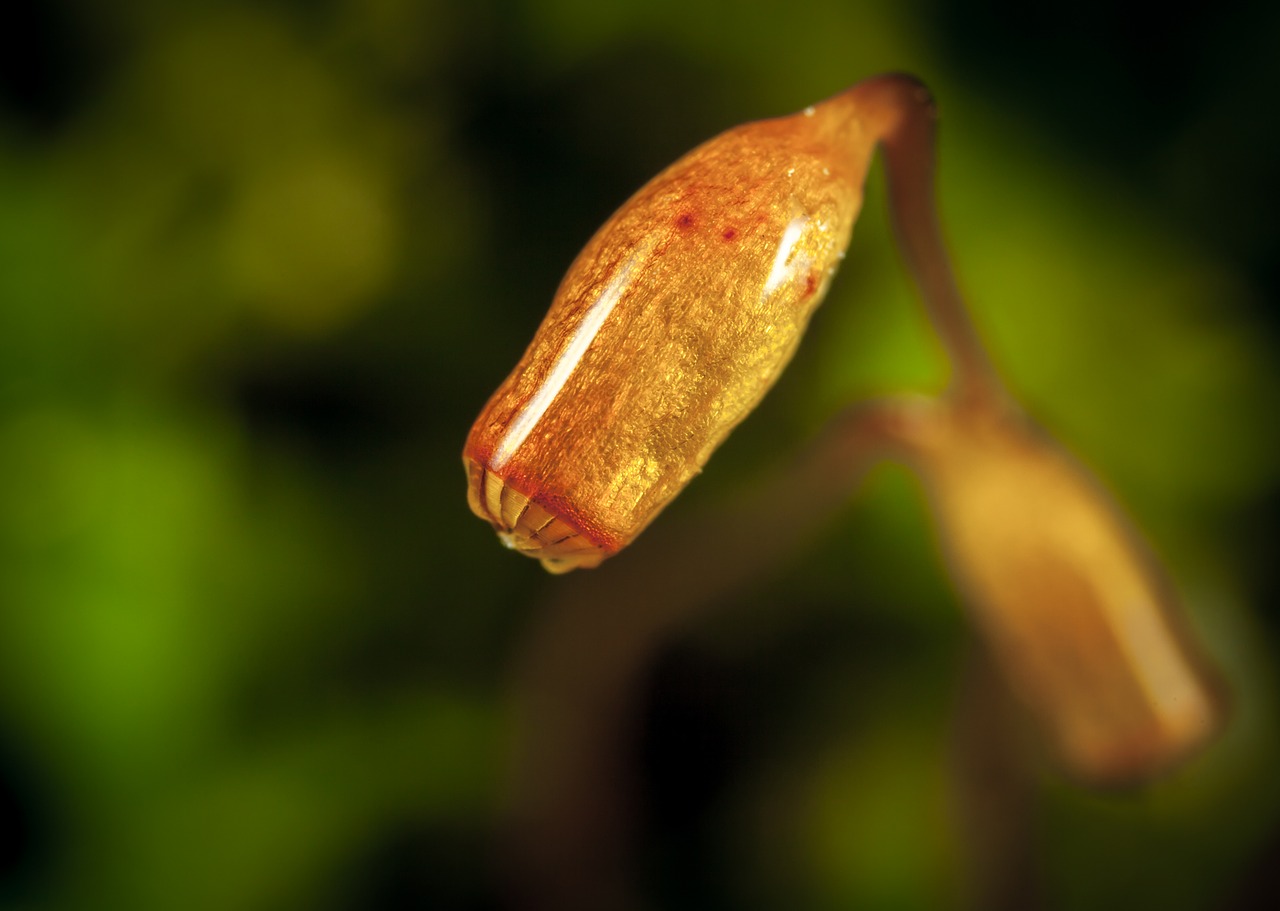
{"x":1153,"y":655}
{"x":790,"y":237}
{"x":564,"y":366}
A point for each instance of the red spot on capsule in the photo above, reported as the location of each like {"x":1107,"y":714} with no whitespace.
{"x":810,"y":284}
{"x":730,"y":233}
{"x":685,"y":221}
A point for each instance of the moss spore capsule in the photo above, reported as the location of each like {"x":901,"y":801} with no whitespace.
{"x":669,"y":327}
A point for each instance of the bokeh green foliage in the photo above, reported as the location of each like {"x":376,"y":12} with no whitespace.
{"x":260,"y":264}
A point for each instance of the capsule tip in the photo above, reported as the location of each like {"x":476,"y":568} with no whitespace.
{"x":526,"y":525}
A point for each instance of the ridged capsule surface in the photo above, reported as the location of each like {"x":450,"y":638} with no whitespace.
{"x":668,"y":329}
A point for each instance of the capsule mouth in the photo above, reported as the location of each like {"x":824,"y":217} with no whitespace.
{"x":527,"y":526}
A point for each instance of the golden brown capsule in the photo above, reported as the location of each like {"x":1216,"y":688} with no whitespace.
{"x":1073,"y":606}
{"x":669,"y":327}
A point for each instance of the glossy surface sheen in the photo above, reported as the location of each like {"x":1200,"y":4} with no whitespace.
{"x":669,"y":327}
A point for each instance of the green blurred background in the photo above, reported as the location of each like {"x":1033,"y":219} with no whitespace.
{"x":260,"y":266}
